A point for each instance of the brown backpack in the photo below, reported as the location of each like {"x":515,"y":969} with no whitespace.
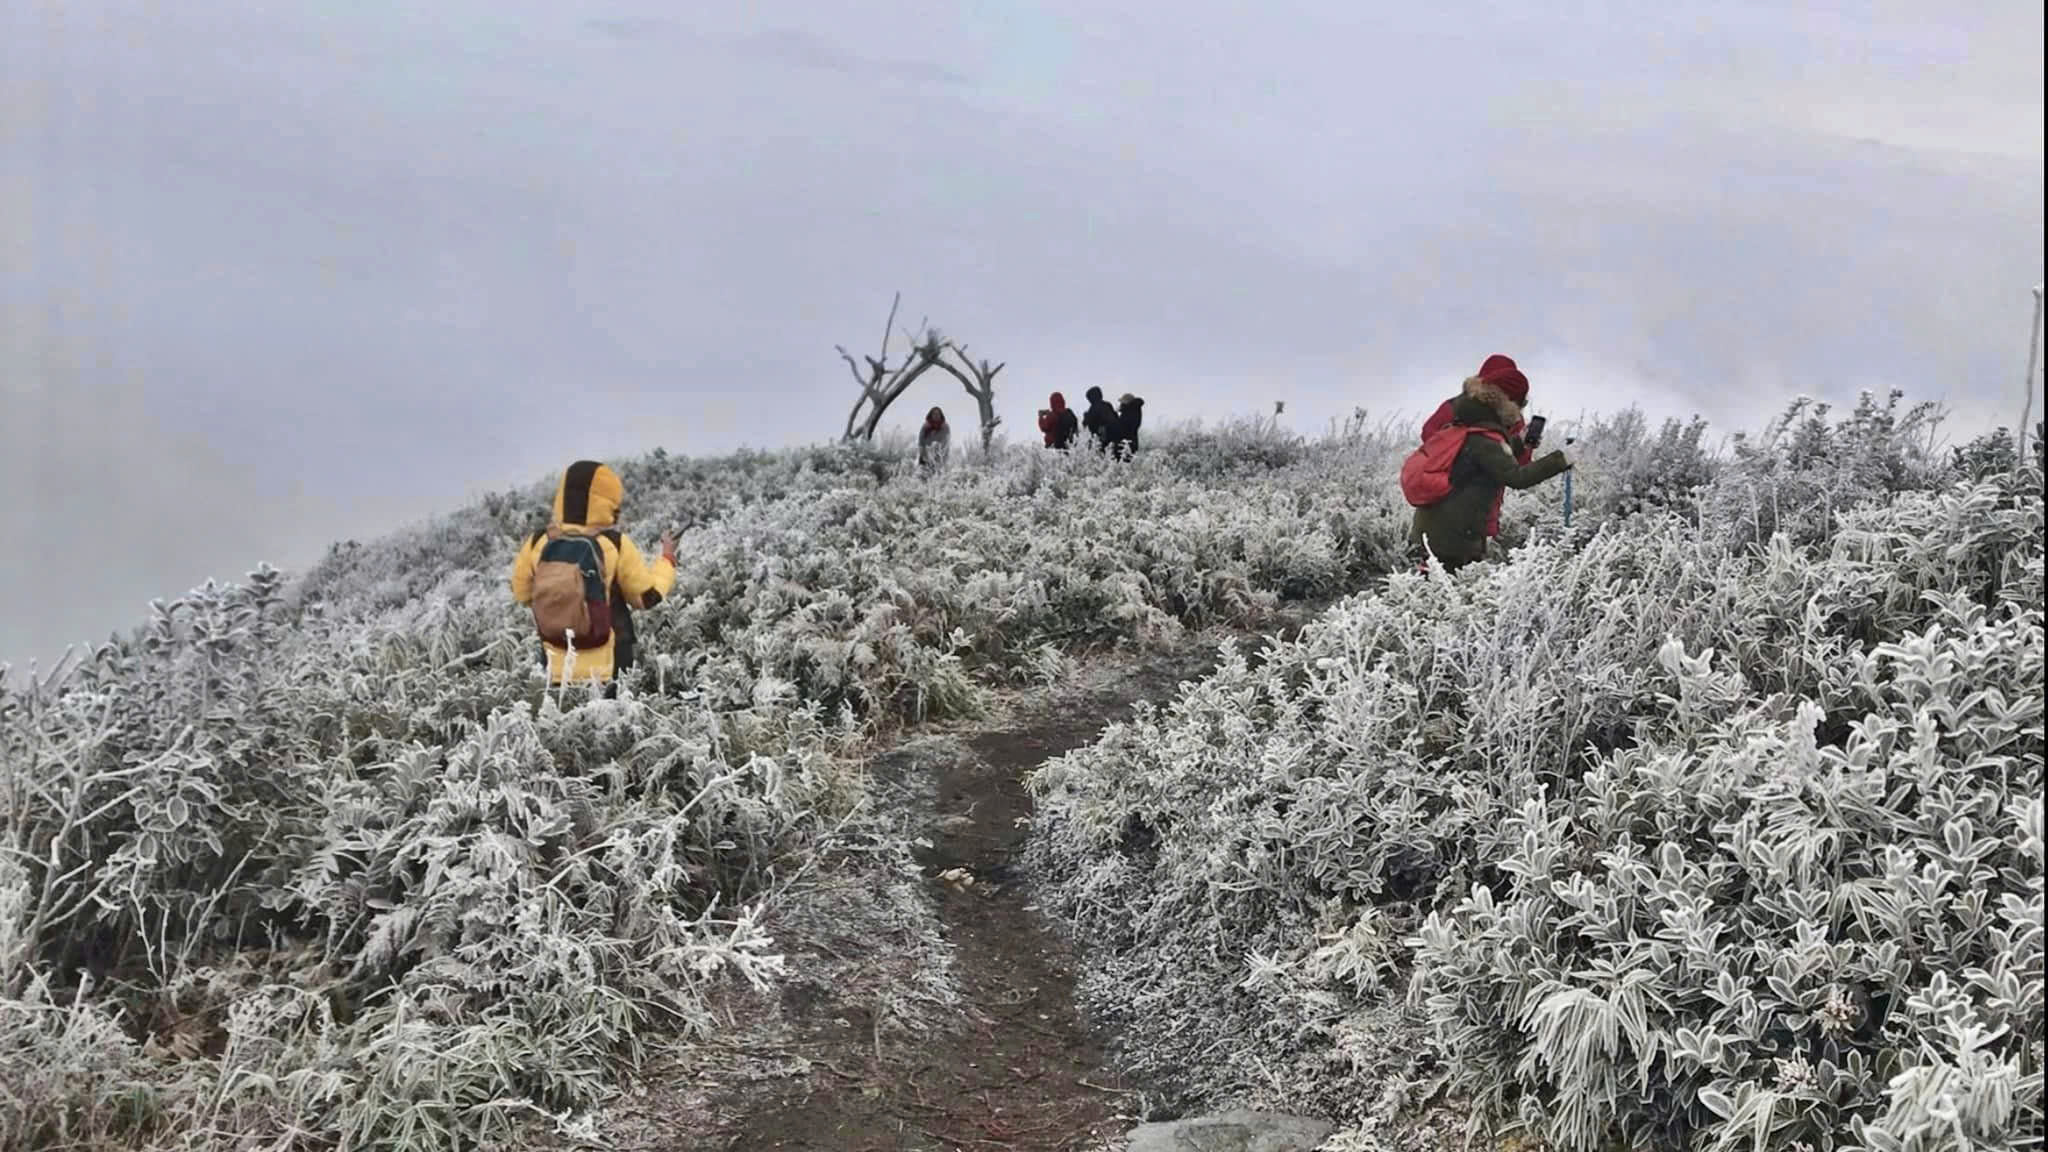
{"x":571,"y":600}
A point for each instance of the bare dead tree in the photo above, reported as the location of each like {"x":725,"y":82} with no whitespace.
{"x":979,"y":378}
{"x":882,"y":382}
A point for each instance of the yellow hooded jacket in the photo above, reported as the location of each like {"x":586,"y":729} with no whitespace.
{"x":587,"y":501}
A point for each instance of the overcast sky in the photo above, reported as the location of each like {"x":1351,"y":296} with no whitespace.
{"x":273,"y":275}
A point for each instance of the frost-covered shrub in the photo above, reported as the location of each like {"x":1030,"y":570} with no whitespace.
{"x":72,"y":1076}
{"x":1804,"y":471}
{"x":1235,"y":448}
{"x":1798,"y":477}
{"x":1621,"y":466}
{"x":1736,"y":924}
{"x":902,"y":597}
{"x":318,"y":862}
{"x":1991,"y":454}
{"x":339,"y":885}
{"x":1654,"y":840}
{"x":299,"y":864}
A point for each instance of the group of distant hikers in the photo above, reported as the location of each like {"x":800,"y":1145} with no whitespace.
{"x":583,"y":577}
{"x":1113,"y":430}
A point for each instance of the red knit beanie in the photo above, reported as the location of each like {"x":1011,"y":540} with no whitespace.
{"x":1501,"y":372}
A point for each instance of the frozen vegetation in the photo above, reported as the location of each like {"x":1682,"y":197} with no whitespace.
{"x":1719,"y":827}
{"x":1714,"y":820}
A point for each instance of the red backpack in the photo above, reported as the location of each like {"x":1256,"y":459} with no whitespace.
{"x":1426,"y":474}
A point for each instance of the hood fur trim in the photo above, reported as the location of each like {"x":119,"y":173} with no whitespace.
{"x":1490,"y":395}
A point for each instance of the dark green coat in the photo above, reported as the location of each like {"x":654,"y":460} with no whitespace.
{"x":1455,"y":528}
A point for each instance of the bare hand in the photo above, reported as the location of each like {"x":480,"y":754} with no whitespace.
{"x":668,"y":546}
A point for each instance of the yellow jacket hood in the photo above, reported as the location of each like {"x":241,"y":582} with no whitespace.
{"x":590,"y":494}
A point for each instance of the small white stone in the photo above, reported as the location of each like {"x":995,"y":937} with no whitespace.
{"x":1235,"y":1131}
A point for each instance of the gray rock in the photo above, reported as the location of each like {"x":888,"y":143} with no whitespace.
{"x":1237,"y":1131}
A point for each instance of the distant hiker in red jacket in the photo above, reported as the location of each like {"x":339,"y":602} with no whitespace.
{"x":1059,"y":423}
{"x":933,"y":442}
{"x":1472,"y":452}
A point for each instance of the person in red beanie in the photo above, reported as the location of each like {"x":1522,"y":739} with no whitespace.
{"x":1504,"y":457}
{"x":1501,"y":373}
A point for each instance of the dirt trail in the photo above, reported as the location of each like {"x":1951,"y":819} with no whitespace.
{"x":1022,"y":1070}
{"x":1016,"y":1067}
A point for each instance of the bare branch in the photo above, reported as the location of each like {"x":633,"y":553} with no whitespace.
{"x":890,"y":322}
{"x":923,"y":335}
{"x":905,"y":376}
{"x":853,"y":367}
{"x":871,"y":392}
{"x":962,"y":377}
{"x":979,"y":381}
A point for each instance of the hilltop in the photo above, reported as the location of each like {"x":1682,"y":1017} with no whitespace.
{"x":321,"y":861}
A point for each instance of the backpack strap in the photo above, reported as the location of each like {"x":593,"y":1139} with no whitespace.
{"x":1463,"y":472}
{"x":555,"y":532}
{"x":618,"y":595}
{"x":615,"y":535}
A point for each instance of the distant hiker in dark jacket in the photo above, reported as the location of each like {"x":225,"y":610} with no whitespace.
{"x":582,"y":574}
{"x":1457,"y":527}
{"x":1059,"y":423}
{"x":933,"y":441}
{"x":1130,"y":412}
{"x":1100,"y":419}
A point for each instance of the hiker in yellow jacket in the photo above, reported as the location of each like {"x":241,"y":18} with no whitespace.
{"x":583,"y":577}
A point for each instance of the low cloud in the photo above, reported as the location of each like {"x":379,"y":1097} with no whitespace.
{"x":799,"y":49}
{"x":634,"y":29}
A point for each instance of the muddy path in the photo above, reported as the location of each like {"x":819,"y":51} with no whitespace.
{"x":1021,"y":1069}
{"x":1014,"y":1064}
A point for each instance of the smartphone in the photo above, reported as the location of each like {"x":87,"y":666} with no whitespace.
{"x":1534,"y":435}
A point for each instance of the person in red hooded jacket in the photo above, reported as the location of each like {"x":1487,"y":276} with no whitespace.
{"x":1059,"y":423}
{"x":1500,"y":372}
{"x":934,"y":442}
